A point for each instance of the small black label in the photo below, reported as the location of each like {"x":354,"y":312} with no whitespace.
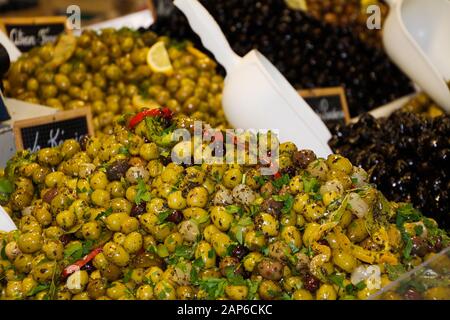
{"x":329,"y":103}
{"x":26,"y":37}
{"x":53,"y":134}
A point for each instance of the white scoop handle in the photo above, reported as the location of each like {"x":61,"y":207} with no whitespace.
{"x":209,"y":31}
{"x":415,"y":57}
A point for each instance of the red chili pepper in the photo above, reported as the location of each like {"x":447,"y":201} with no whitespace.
{"x":81,"y":263}
{"x":161,"y":112}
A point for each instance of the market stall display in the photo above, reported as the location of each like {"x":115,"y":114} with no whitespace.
{"x":113,"y":218}
{"x":118,"y":71}
{"x":408,"y":156}
{"x":310,"y":53}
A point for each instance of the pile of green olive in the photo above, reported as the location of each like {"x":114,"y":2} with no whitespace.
{"x":108,"y":71}
{"x":424,"y":105}
{"x":149,"y":228}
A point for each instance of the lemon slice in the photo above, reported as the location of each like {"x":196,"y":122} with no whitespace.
{"x":297,"y":4}
{"x":64,"y":49}
{"x":158,"y":58}
{"x":196,"y":53}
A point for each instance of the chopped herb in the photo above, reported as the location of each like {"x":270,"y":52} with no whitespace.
{"x":252,"y":288}
{"x":418,"y":230}
{"x":254,"y":209}
{"x":142,"y":192}
{"x":360,"y":285}
{"x":105,"y":213}
{"x":124,"y":150}
{"x":317,"y":196}
{"x":73,"y":251}
{"x":214,"y":287}
{"x":294,"y":249}
{"x":261,"y":180}
{"x":6,"y":188}
{"x":285,"y":296}
{"x":197,"y":265}
{"x":234,"y":209}
{"x":308,"y":251}
{"x":337,"y":279}
{"x":76,"y":250}
{"x":310,"y":184}
{"x":211,"y":254}
{"x":163,"y":216}
{"x":288,"y":202}
{"x":233,"y":277}
{"x":354,"y":180}
{"x":37,"y":289}
{"x":127,"y":276}
{"x":184,"y":252}
{"x":230,"y":248}
{"x":280,"y":182}
{"x":407,"y":213}
{"x":395,"y":271}
{"x":265,"y":250}
{"x":152,"y":249}
{"x":239,"y":235}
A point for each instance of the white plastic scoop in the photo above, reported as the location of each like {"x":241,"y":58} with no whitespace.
{"x":256,"y":95}
{"x":416,"y":36}
{"x":6,"y":223}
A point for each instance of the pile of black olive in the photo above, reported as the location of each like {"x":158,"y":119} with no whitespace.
{"x":408,"y":156}
{"x":309,"y":52}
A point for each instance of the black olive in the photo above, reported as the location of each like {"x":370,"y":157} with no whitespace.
{"x":176,"y":216}
{"x":117,"y":170}
{"x":408,"y":156}
{"x":138,"y":209}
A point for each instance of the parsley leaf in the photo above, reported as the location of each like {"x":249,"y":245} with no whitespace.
{"x":37,"y":289}
{"x":73,"y":251}
{"x":184,"y":251}
{"x":76,"y":250}
{"x":163,"y":216}
{"x":265,"y":250}
{"x":310,"y":184}
{"x":252,"y":288}
{"x":394,"y":271}
{"x":261,"y":180}
{"x":288,"y":202}
{"x":233,"y":277}
{"x":214,"y":287}
{"x":124,"y":150}
{"x":6,"y":188}
{"x":104,"y":214}
{"x":280,"y":182}
{"x":234,"y":209}
{"x":142,"y":193}
{"x":407,"y":213}
{"x":337,"y":279}
{"x":127,"y":276}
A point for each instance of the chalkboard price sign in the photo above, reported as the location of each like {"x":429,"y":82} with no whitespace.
{"x":329,"y":103}
{"x":27,"y":33}
{"x":51,"y":131}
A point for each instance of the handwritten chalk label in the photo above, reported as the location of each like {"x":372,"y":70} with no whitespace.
{"x":329,"y":103}
{"x":27,"y":33}
{"x":51,"y":131}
